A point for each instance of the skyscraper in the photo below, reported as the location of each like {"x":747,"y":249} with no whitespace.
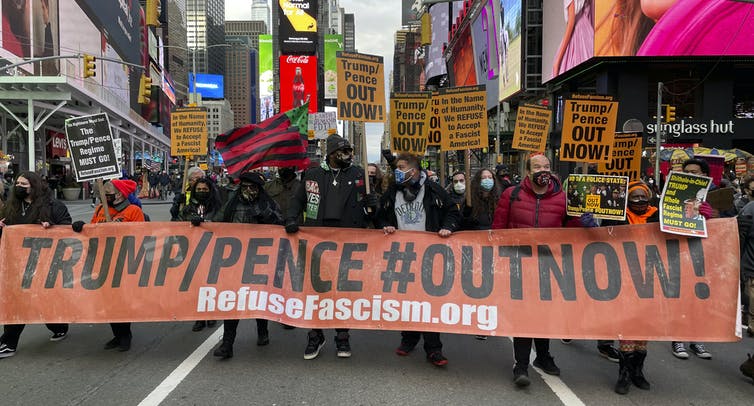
{"x":260,"y":11}
{"x":205,"y":27}
{"x":241,"y":73}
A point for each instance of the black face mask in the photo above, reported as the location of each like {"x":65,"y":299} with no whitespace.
{"x":201,"y":196}
{"x":638,"y":206}
{"x":372,"y":180}
{"x":343,"y":159}
{"x":541,"y":178}
{"x":110,"y":198}
{"x":286,"y":174}
{"x":20,"y":192}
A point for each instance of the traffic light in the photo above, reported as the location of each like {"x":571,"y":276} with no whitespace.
{"x":90,"y":67}
{"x":153,"y":13}
{"x":669,"y":113}
{"x":145,"y":89}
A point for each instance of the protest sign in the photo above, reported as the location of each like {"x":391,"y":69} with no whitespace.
{"x":409,"y":121}
{"x":435,"y":128}
{"x":463,"y":117}
{"x":588,"y":129}
{"x":188,"y":126}
{"x":322,"y":124}
{"x":361,"y":87}
{"x":602,"y":195}
{"x":679,"y":206}
{"x":625,"y":159}
{"x":532,"y":127}
{"x":541,"y":282}
{"x":91,"y":144}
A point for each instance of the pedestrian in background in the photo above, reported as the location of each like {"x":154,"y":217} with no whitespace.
{"x":31,"y":202}
{"x":181,"y":199}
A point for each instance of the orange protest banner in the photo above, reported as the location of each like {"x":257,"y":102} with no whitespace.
{"x":523,"y":282}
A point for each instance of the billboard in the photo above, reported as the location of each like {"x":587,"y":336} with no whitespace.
{"x":266,"y":82}
{"x":333,"y":44}
{"x":291,"y":86}
{"x":461,"y":65}
{"x":605,"y":28}
{"x":207,"y":85}
{"x":435,"y":63}
{"x":298,"y":27}
{"x":487,"y":50}
{"x":510,"y":48}
{"x":409,"y":12}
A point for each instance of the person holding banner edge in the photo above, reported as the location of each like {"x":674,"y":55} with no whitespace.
{"x":538,"y":201}
{"x":120,"y":210}
{"x":31,"y":202}
{"x":437,"y":213}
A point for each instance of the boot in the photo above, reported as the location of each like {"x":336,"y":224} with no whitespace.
{"x":747,"y":368}
{"x":637,"y":365}
{"x":624,"y":374}
{"x":224,"y":351}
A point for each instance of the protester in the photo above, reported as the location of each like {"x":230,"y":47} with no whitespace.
{"x":457,"y":190}
{"x":503,"y":174}
{"x":538,"y":201}
{"x":31,"y":202}
{"x":332,"y":195}
{"x":202,"y":206}
{"x":633,"y":353}
{"x":415,"y":203}
{"x":746,"y":238}
{"x":121,"y":211}
{"x":283,"y":187}
{"x":250,"y":204}
{"x":181,"y":199}
{"x":375,"y":180}
{"x":164,"y":185}
{"x":747,"y":193}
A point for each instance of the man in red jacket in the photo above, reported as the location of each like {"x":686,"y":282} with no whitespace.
{"x":538,"y":201}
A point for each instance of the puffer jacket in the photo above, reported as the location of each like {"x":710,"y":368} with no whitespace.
{"x":527,"y":210}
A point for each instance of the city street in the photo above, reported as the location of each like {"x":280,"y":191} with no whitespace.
{"x":169,"y":364}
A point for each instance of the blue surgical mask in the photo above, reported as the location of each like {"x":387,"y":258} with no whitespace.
{"x":402,"y":176}
{"x":487,"y":184}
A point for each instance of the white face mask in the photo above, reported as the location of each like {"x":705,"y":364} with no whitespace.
{"x":459,"y":187}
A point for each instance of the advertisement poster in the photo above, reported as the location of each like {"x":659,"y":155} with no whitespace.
{"x":485,"y":38}
{"x":602,"y":195}
{"x":461,"y":64}
{"x":298,"y":27}
{"x":321,"y":125}
{"x":588,"y":129}
{"x":91,"y":144}
{"x":626,"y":157}
{"x":463,"y":116}
{"x":266,"y":82}
{"x":333,"y":44}
{"x":409,"y":121}
{"x":682,"y":196}
{"x":532,"y":128}
{"x":510,"y":48}
{"x":188,"y":127}
{"x":568,"y":36}
{"x":361,"y":87}
{"x":298,"y":82}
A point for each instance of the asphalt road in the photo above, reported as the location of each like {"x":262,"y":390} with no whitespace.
{"x":175,"y":366}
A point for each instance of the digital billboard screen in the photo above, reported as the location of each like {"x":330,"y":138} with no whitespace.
{"x":298,"y":27}
{"x":608,"y":28}
{"x":510,"y":48}
{"x":435,"y":62}
{"x":296,"y":89}
{"x":487,"y":49}
{"x":209,"y":86}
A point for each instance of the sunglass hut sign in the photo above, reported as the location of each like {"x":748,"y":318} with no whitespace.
{"x":684,"y":127}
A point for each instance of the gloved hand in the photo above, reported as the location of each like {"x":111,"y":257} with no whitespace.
{"x":77,"y":226}
{"x":371,"y":201}
{"x":291,"y":226}
{"x":706,"y":210}
{"x":588,"y":220}
{"x":388,"y":154}
{"x":196,"y":220}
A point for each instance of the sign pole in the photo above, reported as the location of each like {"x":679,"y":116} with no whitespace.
{"x":467,"y":175}
{"x":658,"y":135}
{"x":365,"y":161}
{"x":185,"y":173}
{"x":103,"y":198}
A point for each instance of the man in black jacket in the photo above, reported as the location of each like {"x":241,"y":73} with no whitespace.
{"x":414,"y":203}
{"x":332,"y":195}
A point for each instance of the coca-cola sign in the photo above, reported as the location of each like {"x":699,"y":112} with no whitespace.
{"x":297,"y":87}
{"x":298,"y":26}
{"x":297,"y":59}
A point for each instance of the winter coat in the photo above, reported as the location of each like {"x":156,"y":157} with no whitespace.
{"x":282,"y":192}
{"x":121,"y":212}
{"x":263,"y":210}
{"x":528,"y":210}
{"x":747,"y":243}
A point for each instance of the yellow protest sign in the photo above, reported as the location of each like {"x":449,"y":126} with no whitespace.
{"x":435,"y":129}
{"x":532,"y":127}
{"x":463,"y":117}
{"x":409,"y":121}
{"x":188,"y":128}
{"x":361,"y":87}
{"x":626,"y":157}
{"x":588,"y":129}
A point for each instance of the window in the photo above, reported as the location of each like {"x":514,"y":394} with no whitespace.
{"x":743,"y":94}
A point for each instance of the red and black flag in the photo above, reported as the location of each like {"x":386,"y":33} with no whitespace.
{"x":281,"y":141}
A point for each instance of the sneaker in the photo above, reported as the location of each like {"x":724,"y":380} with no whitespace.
{"x":263,"y":338}
{"x":59,"y":336}
{"x":404,"y":348}
{"x":6,"y":351}
{"x":199,"y":325}
{"x":679,"y":350}
{"x":112,"y":343}
{"x":609,"y":352}
{"x":437,"y":359}
{"x":565,"y":340}
{"x":315,"y":344}
{"x":224,"y":351}
{"x":343,"y":346}
{"x":747,"y":368}
{"x":547,"y":364}
{"x":521,"y":376}
{"x":481,"y":338}
{"x":211,"y":323}
{"x":700,"y":351}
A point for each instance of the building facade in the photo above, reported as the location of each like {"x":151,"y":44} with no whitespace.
{"x":205,"y":33}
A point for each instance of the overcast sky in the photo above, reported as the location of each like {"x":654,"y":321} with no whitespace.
{"x":376,"y":22}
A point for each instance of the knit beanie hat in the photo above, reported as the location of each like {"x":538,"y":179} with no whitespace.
{"x":125,"y":187}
